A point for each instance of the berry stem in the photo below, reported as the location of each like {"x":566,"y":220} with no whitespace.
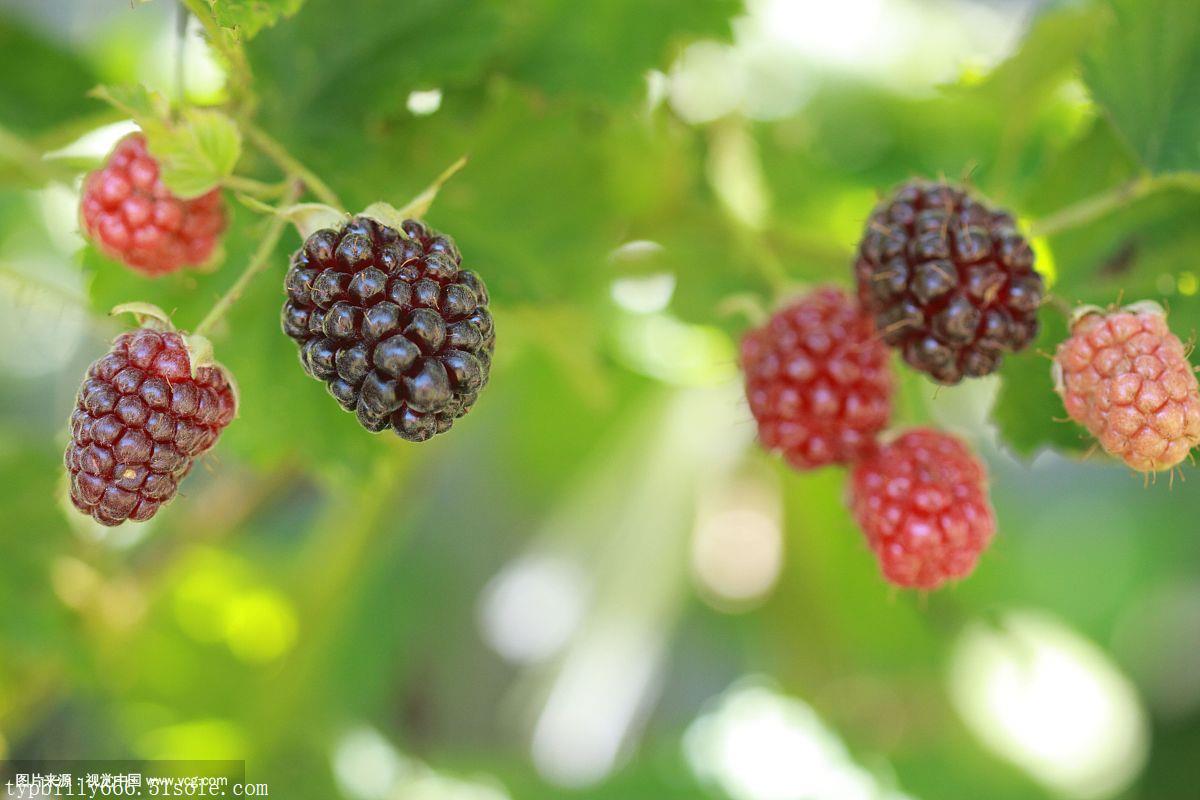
{"x":181,"y":26}
{"x":288,"y":163}
{"x":240,"y":78}
{"x":1093,"y":208}
{"x":258,"y":261}
{"x":255,"y":188}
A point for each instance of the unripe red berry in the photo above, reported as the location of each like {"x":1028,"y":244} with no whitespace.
{"x":128,"y":213}
{"x":922,"y":502}
{"x":1126,"y":378}
{"x":818,"y":380}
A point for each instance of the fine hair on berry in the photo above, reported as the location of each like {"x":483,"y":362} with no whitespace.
{"x":922,"y":502}
{"x":141,"y":418}
{"x":127,"y":212}
{"x":1125,"y":376}
{"x":818,"y":380}
{"x":950,"y":282}
{"x":388,"y":319}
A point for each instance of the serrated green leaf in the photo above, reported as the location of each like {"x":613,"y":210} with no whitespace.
{"x":1145,"y":72}
{"x":248,"y":17}
{"x":199,"y":152}
{"x":195,"y":151}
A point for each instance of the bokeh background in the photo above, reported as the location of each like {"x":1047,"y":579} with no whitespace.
{"x":596,"y":586}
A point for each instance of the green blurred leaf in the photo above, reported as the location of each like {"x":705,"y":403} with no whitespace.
{"x":1145,"y":72}
{"x":41,"y":83}
{"x":592,"y":49}
{"x":1028,"y":413}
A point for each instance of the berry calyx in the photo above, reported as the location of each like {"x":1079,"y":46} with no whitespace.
{"x":950,"y":282}
{"x":128,"y":213}
{"x":922,"y":502}
{"x":389,"y":320}
{"x":1126,"y":378}
{"x":147,"y":409}
{"x":818,"y":380}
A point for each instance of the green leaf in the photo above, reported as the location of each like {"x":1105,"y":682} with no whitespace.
{"x":41,"y":83}
{"x":248,"y":17}
{"x":591,"y":49}
{"x":1145,"y":72}
{"x":195,"y":152}
{"x":1028,"y":413}
{"x":198,"y":154}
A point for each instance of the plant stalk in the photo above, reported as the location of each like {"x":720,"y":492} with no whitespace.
{"x":258,"y":262}
{"x":1104,"y":203}
{"x":288,"y":163}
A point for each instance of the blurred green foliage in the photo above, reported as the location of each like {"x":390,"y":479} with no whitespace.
{"x":315,"y":578}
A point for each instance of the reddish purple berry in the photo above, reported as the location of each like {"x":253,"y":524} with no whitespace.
{"x":140,"y":420}
{"x":950,"y":282}
{"x":398,"y":331}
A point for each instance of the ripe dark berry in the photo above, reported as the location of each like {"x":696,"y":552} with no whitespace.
{"x":817,"y":380}
{"x":140,"y":420}
{"x":132,"y":217}
{"x":950,"y":282}
{"x":1125,"y":377}
{"x":400,"y":334}
{"x":922,"y":502}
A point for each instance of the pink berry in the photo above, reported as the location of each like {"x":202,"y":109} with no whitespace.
{"x":922,"y":502}
{"x":132,"y":217}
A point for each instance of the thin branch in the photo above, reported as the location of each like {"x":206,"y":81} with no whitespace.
{"x":1100,"y":205}
{"x":181,"y":26}
{"x":255,"y":188}
{"x":240,"y":79}
{"x":258,"y":261}
{"x":288,"y":163}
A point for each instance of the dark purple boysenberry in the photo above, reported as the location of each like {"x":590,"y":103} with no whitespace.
{"x":140,"y":420}
{"x":950,"y":282}
{"x":398,"y":331}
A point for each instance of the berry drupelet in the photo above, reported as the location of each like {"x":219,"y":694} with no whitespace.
{"x":1125,"y":377}
{"x":141,"y":417}
{"x":949,"y":281}
{"x":132,"y":217}
{"x":818,"y":380}
{"x":400,"y":334}
{"x":922,"y":502}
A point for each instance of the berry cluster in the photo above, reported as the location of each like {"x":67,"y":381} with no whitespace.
{"x":399,"y":332}
{"x":144,"y":413}
{"x":818,"y":380}
{"x":950,"y":282}
{"x":132,"y":217}
{"x":1126,"y":378}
